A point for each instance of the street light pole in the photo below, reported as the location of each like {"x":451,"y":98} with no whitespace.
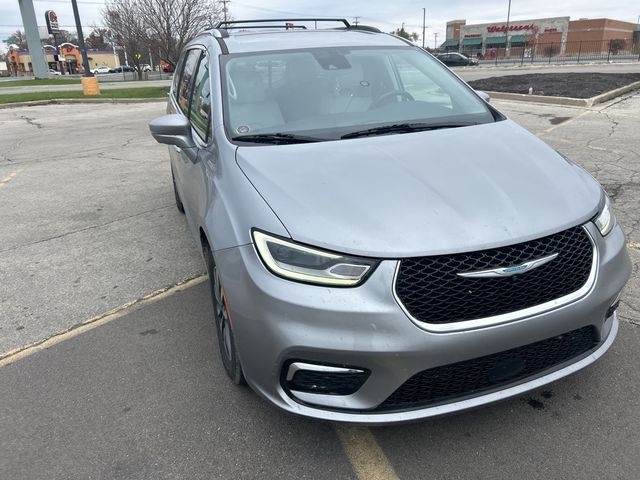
{"x":506,"y":32}
{"x":83,"y":48}
{"x":424,"y":16}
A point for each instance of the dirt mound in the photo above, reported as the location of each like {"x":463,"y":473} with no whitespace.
{"x":576,"y":85}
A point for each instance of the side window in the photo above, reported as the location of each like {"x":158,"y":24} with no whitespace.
{"x":186,"y":80}
{"x":176,"y":76}
{"x":200,"y":111}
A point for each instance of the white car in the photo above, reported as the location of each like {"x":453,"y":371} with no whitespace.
{"x":102,"y":69}
{"x":145,"y":68}
{"x":54,"y":72}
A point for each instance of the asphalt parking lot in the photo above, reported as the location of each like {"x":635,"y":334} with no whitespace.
{"x":90,"y":225}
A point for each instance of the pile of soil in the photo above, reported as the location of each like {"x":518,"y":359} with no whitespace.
{"x":576,"y":85}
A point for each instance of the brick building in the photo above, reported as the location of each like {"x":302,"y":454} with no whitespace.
{"x":558,"y":34}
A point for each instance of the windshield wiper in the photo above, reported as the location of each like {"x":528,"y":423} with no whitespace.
{"x":403,"y":128}
{"x":276,"y":138}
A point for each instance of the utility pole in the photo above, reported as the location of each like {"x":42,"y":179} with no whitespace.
{"x":83,"y":48}
{"x":435,"y":41}
{"x":224,"y":8}
{"x":424,"y":17}
{"x":355,"y":21}
{"x":506,"y":33}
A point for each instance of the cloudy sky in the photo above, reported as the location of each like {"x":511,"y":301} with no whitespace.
{"x":386,"y":15}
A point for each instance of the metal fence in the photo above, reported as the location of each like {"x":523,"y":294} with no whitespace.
{"x":568,"y":52}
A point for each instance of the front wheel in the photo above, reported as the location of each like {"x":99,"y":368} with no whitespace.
{"x":222,"y":319}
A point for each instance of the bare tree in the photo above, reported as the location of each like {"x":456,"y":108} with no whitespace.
{"x":171,"y":24}
{"x":124,"y":20}
{"x":97,"y":39}
{"x":17,"y":38}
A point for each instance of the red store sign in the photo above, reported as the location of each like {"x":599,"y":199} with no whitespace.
{"x":512,"y":28}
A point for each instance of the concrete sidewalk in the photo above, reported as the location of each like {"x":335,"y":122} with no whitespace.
{"x":105,"y":85}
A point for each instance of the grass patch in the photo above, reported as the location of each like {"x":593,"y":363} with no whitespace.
{"x":32,"y":82}
{"x":144,"y":92}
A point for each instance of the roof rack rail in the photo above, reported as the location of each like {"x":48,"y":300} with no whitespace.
{"x":364,"y":28}
{"x":251,"y":27}
{"x":235,"y":24}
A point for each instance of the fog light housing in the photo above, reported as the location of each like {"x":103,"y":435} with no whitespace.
{"x":324,"y":379}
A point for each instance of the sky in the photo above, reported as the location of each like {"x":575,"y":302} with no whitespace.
{"x":386,"y":15}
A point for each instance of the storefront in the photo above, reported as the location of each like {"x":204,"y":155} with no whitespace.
{"x":487,"y":37}
{"x":546,"y":36}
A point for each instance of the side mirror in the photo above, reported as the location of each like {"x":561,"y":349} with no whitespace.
{"x":172,"y":129}
{"x":484,"y":95}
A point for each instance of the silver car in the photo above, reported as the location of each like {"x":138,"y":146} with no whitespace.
{"x":382,"y":244}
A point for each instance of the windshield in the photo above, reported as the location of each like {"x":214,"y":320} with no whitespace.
{"x":327,"y":93}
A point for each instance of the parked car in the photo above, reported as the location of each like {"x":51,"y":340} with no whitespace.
{"x":167,"y":68}
{"x":382,"y":244}
{"x":455,"y":59}
{"x":145,"y":68}
{"x":53,"y":72}
{"x":99,"y":70}
{"x":122,"y":68}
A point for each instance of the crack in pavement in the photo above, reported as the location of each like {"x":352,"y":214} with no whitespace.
{"x":80,"y":230}
{"x":31,"y":121}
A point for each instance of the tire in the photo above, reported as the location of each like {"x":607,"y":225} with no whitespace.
{"x":224,"y":331}
{"x":179,"y":204}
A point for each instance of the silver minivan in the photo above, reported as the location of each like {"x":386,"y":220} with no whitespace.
{"x":382,"y":244}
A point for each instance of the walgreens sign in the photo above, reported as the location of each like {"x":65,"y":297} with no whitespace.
{"x":512,"y":28}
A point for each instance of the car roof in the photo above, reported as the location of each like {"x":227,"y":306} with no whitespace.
{"x":291,"y":39}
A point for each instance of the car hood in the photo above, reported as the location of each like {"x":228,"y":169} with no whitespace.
{"x":423,"y":193}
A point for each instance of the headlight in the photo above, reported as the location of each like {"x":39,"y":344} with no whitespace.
{"x":606,"y":220}
{"x":310,"y":265}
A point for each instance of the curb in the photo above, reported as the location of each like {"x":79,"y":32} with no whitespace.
{"x":64,"y":101}
{"x":568,"y":101}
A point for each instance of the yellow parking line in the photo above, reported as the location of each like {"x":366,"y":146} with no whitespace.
{"x":571,"y":120}
{"x":365,"y":455}
{"x":22,"y":352}
{"x":8,"y":178}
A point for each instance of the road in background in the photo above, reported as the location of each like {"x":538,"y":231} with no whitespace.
{"x":468,"y":74}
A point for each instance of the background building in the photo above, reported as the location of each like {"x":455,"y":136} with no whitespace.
{"x":541,"y":36}
{"x":19,"y":61}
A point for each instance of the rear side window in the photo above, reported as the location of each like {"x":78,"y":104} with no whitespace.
{"x":186,"y":80}
{"x":200,"y":111}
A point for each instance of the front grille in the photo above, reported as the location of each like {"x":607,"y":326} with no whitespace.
{"x":432,"y":292}
{"x":472,"y":377}
{"x":327,"y":383}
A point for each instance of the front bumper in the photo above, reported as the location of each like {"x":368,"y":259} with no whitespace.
{"x":276,"y":321}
